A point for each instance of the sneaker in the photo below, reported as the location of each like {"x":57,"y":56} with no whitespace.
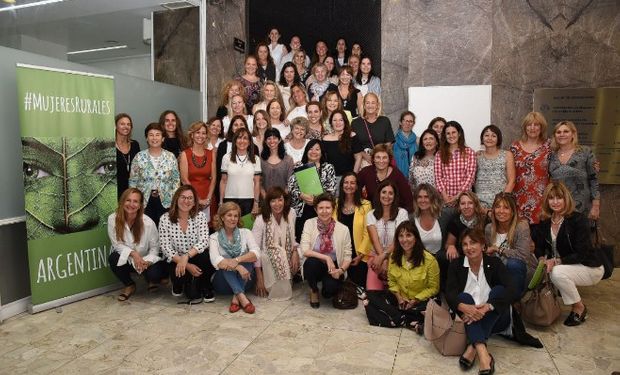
{"x":209,"y":296}
{"x":177,"y":290}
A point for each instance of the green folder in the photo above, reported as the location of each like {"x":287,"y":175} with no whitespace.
{"x":308,"y":179}
{"x":247,"y":221}
{"x":538,"y":275}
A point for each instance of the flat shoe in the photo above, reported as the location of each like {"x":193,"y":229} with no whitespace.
{"x":153,"y":288}
{"x":249,"y":308}
{"x":234,"y":307}
{"x":574,"y":319}
{"x":124,"y":296}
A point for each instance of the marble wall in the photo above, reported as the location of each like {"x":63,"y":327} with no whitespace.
{"x":516,"y":46}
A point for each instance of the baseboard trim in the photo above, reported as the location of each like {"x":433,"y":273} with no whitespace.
{"x":14,"y":308}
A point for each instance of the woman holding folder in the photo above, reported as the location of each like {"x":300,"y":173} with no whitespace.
{"x":304,"y":184}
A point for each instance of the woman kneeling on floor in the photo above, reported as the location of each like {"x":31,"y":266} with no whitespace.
{"x":480,"y":289}
{"x":413,"y":278}
{"x":326,"y":246}
{"x":233,"y":252}
{"x":135,"y":243}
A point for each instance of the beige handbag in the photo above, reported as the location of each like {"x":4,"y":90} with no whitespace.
{"x":541,"y":306}
{"x":446,"y":334}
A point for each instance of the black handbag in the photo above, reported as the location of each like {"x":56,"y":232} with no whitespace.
{"x":605,"y":253}
{"x":346,"y":298}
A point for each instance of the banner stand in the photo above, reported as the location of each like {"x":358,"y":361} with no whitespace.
{"x":33,"y":309}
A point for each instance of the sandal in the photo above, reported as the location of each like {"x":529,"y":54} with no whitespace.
{"x":416,"y":327}
{"x":126,"y":293}
{"x":153,"y":288}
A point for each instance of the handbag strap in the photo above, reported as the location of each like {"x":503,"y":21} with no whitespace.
{"x":368,"y":132}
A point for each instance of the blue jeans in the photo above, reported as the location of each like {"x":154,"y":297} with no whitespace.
{"x":492,"y":322}
{"x":518,"y":270}
{"x":231,"y":282}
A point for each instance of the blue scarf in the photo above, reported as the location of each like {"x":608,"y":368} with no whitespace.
{"x":232,"y":250}
{"x":404,"y":148}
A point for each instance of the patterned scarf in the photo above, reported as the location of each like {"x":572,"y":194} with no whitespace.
{"x":232,"y":249}
{"x":279,"y":259}
{"x":326,"y":231}
{"x":318,"y":88}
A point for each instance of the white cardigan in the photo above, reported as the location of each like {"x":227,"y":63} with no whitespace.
{"x":342,"y":240}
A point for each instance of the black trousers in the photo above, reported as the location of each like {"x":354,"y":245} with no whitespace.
{"x":154,"y":209}
{"x":153,"y":274}
{"x":358,"y":273}
{"x":315,"y":271}
{"x":244,"y":204}
{"x":382,"y":310}
{"x":307,"y":213}
{"x":204,"y":263}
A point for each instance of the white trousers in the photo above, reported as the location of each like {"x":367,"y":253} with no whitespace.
{"x":567,"y":277}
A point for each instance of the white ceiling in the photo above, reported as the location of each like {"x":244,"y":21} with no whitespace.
{"x":82,"y":24}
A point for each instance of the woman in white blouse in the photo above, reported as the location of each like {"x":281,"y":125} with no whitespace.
{"x":184,"y":236}
{"x":274,"y":231}
{"x":135,"y":244}
{"x":426,"y":210}
{"x":296,"y":145}
{"x":381,"y":223}
{"x":233,"y":252}
{"x":238,"y":108}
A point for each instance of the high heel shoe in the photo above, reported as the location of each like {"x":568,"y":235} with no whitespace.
{"x":314,"y":300}
{"x":490,"y":370}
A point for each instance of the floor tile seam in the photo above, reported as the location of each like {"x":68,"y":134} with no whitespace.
{"x":246,"y":347}
{"x":90,"y":350}
{"x":557,"y":369}
{"x":396,"y":352}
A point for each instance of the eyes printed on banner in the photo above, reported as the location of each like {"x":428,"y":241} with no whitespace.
{"x":32,"y":171}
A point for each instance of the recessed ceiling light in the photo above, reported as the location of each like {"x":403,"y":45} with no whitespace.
{"x":27,"y":5}
{"x":96,"y":49}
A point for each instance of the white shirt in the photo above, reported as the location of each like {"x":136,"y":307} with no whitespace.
{"x":477,"y":286}
{"x":386,"y":229}
{"x":297,"y":112}
{"x":277,"y":53}
{"x":294,"y":153}
{"x":148,"y":247}
{"x":431,"y":238}
{"x":248,"y":118}
{"x":176,"y":242}
{"x":240,"y":181}
{"x":248,"y":244}
{"x":283,"y":129}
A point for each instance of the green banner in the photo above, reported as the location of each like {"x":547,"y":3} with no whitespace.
{"x":69,"y":165}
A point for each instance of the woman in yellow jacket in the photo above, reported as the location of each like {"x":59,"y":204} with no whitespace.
{"x":413,"y":278}
{"x":351,"y":211}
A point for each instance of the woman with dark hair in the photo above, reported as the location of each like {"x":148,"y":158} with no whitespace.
{"x":276,"y":50}
{"x":184,"y":236}
{"x":342,"y":146}
{"x":197,"y":167}
{"x":238,"y":108}
{"x":437,"y":124}
{"x":251,"y":81}
{"x":563,"y":241}
{"x":509,"y":238}
{"x":354,"y":63}
{"x":298,"y":102}
{"x":215,"y":135}
{"x":261,"y":124}
{"x":241,"y":174}
{"x":352,"y":99}
{"x":341,"y":54}
{"x":366,"y":81}
{"x":326,"y":246}
{"x":315,"y":126}
{"x":495,"y":167}
{"x":455,"y":164}
{"x":531,"y":157}
{"x":274,"y":231}
{"x":481,"y":291}
{"x":155,"y":172}
{"x":381,"y":170}
{"x":174,"y":140}
{"x":405,"y":144}
{"x":330,"y":102}
{"x":266,"y":67}
{"x":356,"y":50}
{"x":233,"y":251}
{"x":413,"y":278}
{"x":351,"y":210}
{"x":276,"y":165}
{"x":321,"y":83}
{"x":422,"y":167}
{"x":314,"y":156}
{"x":126,"y":151}
{"x":288,"y":77}
{"x":332,"y":71}
{"x":275,"y":110}
{"x":134,"y":243}
{"x":320,"y":53}
{"x":382,"y":222}
{"x":372,"y":127}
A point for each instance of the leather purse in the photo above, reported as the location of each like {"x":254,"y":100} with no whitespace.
{"x":447,"y":334}
{"x":346,"y":298}
{"x":541,"y":306}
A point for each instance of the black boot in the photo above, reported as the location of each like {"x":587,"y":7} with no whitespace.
{"x":520,"y":335}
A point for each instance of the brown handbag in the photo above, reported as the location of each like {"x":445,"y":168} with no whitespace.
{"x":541,"y":306}
{"x":446,"y":334}
{"x":346,"y":298}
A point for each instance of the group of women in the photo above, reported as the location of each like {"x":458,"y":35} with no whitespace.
{"x":403,"y":217}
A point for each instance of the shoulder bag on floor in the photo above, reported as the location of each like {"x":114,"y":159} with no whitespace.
{"x":346,"y":298}
{"x":446,"y":334}
{"x":540,"y":306}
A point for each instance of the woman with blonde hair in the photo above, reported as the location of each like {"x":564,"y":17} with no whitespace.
{"x":135,"y":244}
{"x":531,"y":155}
{"x":230,"y":89}
{"x":251,"y":81}
{"x":233,"y":251}
{"x":268,"y":92}
{"x":575,"y":166}
{"x":563,"y":242}
{"x":372,"y":128}
{"x":238,"y":108}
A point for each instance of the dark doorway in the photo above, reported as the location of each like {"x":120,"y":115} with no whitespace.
{"x":354,"y":20}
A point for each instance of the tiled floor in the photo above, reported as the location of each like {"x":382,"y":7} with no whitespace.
{"x":153,"y":334}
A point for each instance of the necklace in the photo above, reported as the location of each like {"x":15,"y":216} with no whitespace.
{"x":126,"y":157}
{"x":557,"y":222}
{"x":348,"y":210}
{"x":242,"y":161}
{"x":198,"y":164}
{"x":468,"y":223}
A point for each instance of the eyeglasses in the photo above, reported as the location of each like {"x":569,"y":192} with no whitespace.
{"x":189,"y":198}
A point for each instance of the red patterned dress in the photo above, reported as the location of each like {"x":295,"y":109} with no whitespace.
{"x":532,"y":176}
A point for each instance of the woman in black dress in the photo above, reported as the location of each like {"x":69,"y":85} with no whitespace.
{"x":126,"y":150}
